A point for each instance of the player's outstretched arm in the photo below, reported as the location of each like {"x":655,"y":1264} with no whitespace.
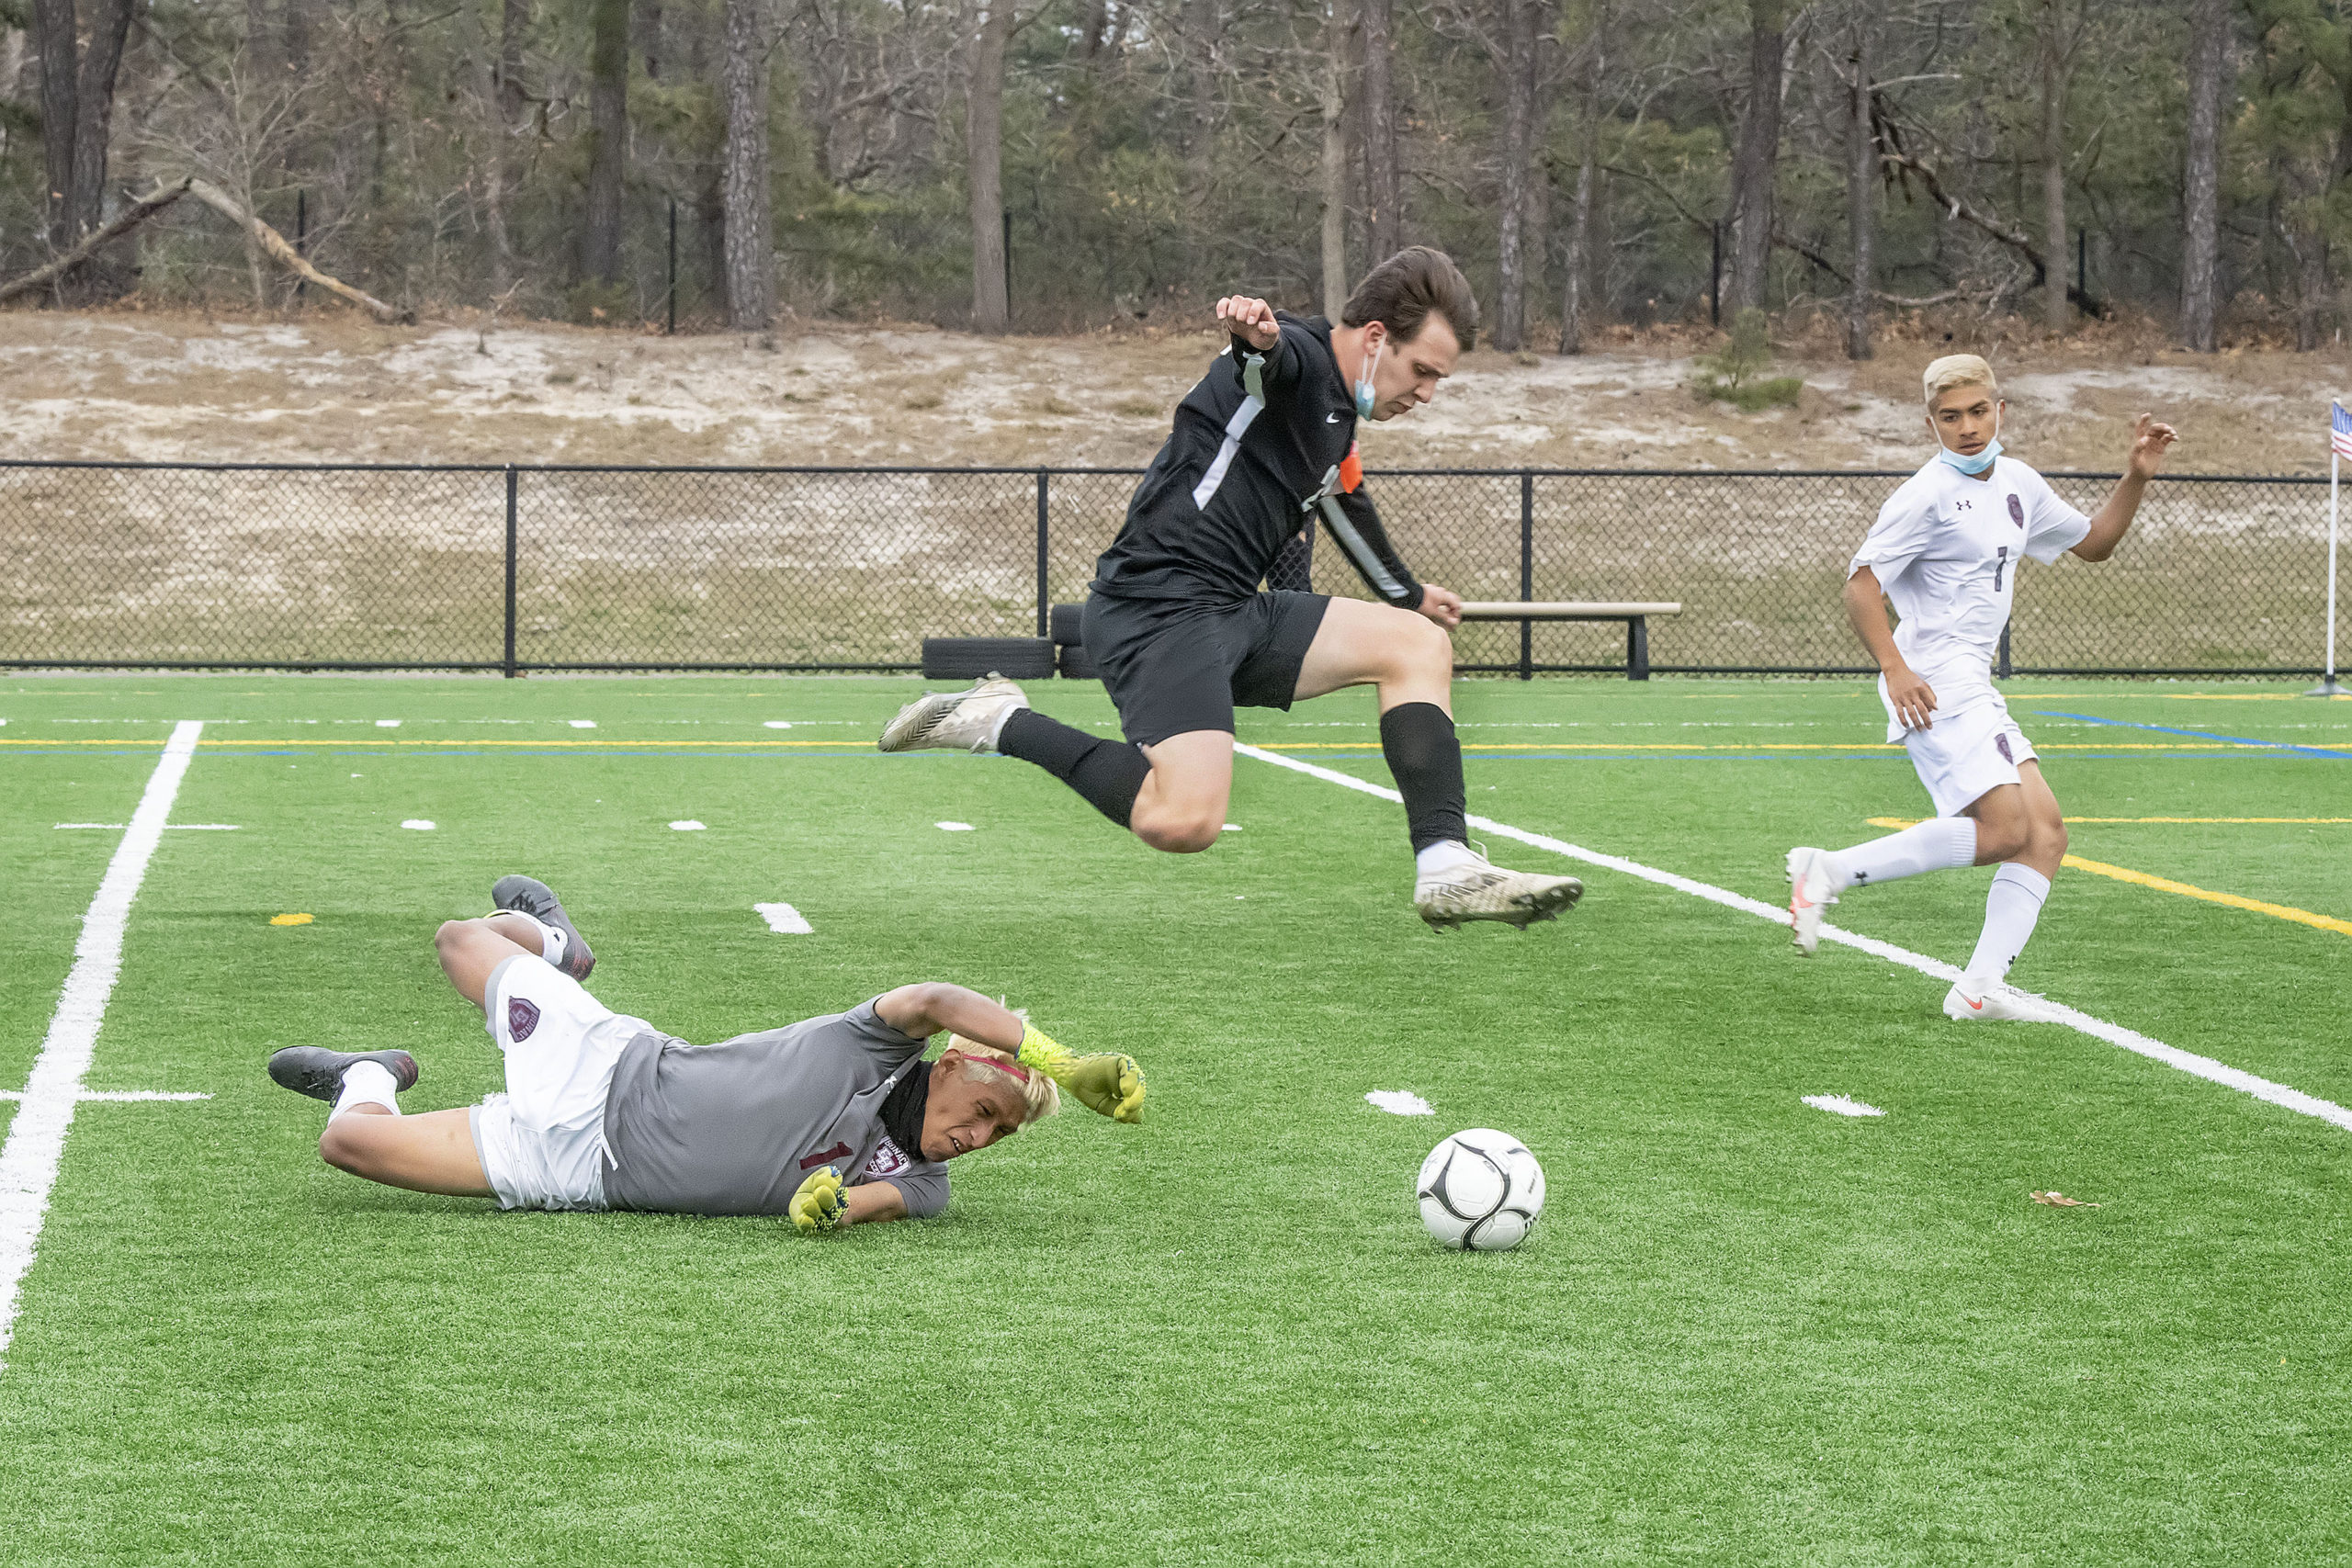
{"x":2150,"y":443}
{"x":934,"y":1005}
{"x":1913,"y":699}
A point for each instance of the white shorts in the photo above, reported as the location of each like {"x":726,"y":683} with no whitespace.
{"x":542,"y":1142}
{"x":1973,"y":747}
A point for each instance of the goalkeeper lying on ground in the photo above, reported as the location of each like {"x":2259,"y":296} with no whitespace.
{"x":831,"y":1122}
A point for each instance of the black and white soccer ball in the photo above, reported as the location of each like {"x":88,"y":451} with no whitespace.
{"x":1480,"y":1191}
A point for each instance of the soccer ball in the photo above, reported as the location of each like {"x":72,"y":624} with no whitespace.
{"x":1480,"y":1191}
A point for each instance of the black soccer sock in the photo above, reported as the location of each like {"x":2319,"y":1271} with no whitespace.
{"x":1418,"y":739}
{"x":1109,"y":773}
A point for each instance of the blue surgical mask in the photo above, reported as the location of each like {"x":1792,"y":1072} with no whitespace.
{"x":1976,"y":463}
{"x":1364,"y":399}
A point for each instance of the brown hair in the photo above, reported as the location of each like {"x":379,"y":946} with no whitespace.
{"x":1403,"y":291}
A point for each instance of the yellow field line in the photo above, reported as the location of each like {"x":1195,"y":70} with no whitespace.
{"x":1746,"y":746}
{"x":2165,"y":884}
{"x":1908,"y":822}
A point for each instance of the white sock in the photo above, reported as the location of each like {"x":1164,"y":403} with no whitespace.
{"x":995,"y":730}
{"x":2011,"y":906}
{"x":1445,"y":856}
{"x":368,"y":1083}
{"x":551,"y":941}
{"x":1941,"y":843}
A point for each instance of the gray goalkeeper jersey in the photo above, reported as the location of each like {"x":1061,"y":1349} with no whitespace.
{"x":735,"y":1128}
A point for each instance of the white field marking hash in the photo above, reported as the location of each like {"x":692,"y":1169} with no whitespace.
{"x":388,"y":723}
{"x":955,"y":827}
{"x":419,"y":824}
{"x":2097,"y":1028}
{"x":168,"y":826}
{"x":1839,"y":1105}
{"x":29,"y":1160}
{"x":1400,"y":1103}
{"x":583,"y":724}
{"x":686,"y":825}
{"x":783,"y":919}
{"x":778,"y":724}
{"x":117,"y":1096}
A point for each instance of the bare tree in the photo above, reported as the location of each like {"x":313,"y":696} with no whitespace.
{"x":1200,"y":70}
{"x":60,"y":60}
{"x":482,"y":66}
{"x":1334,"y":169}
{"x":1515,"y":58}
{"x":514,"y":20}
{"x":984,"y":138}
{"x":1383,"y":198}
{"x":1573,"y":307}
{"x":1755,"y":161}
{"x":2209,"y":50}
{"x":2050,"y":34}
{"x":600,"y":246}
{"x":1861,"y":188}
{"x":750,"y":238}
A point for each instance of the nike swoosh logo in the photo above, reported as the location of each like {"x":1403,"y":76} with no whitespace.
{"x":1330,"y":419}
{"x":1974,"y":1007}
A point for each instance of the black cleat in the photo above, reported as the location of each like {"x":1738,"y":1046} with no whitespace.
{"x":318,"y":1072}
{"x":529,"y":896}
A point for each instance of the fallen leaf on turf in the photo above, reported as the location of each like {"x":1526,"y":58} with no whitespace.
{"x":2060,"y":1200}
{"x":289,"y":919}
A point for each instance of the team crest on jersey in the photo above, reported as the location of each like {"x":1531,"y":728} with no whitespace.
{"x":522,"y":1017}
{"x":2017,"y":512}
{"x":2001,"y":742}
{"x":889,"y":1160}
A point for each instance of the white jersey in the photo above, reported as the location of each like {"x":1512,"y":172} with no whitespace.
{"x":1946,"y":549}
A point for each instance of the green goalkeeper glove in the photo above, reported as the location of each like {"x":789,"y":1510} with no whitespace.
{"x":1108,"y":1082}
{"x":822,"y":1204}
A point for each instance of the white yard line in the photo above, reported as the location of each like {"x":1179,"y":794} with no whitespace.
{"x":2097,"y":1028}
{"x":37,"y":1134}
{"x":118,"y":1096}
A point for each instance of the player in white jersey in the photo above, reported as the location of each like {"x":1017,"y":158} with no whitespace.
{"x":1946,"y":550}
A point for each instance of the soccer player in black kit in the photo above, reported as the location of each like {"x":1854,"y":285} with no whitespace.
{"x":1175,"y":622}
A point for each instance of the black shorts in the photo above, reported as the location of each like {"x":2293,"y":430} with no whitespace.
{"x":1174,"y":666}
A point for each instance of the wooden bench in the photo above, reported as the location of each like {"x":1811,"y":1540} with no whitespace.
{"x":1635,"y":614}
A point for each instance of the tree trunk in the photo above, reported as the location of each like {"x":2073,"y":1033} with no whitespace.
{"x":2055,"y":314}
{"x":1096,"y":27}
{"x":93,"y":129}
{"x":649,"y":31}
{"x":751,"y":231}
{"x":492,"y":119}
{"x":1518,"y":67}
{"x":1862,"y":190}
{"x":1334,"y":163}
{"x":514,"y":20}
{"x":984,"y":138}
{"x":53,"y":39}
{"x":1757,"y":162}
{"x":600,"y":246}
{"x":1200,"y":121}
{"x":2209,"y":51}
{"x":1573,"y":304}
{"x":1383,"y":195}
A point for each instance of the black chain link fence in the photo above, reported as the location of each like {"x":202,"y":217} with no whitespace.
{"x":513,"y":568}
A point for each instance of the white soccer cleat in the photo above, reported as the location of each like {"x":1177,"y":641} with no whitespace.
{"x":1477,"y":891}
{"x":1973,"y":1000}
{"x":953,"y":721}
{"x":1813,"y":886}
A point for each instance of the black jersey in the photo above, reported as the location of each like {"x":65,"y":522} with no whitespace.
{"x":1263,"y":446}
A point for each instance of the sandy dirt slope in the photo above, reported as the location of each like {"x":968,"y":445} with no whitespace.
{"x":327,"y":386}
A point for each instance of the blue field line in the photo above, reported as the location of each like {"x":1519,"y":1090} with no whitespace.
{"x":2198,"y":734}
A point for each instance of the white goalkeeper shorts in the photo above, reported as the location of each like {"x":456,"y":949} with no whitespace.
{"x":542,"y":1142}
{"x":1973,"y":747}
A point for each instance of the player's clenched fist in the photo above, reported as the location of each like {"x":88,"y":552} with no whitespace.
{"x":1251,"y":320}
{"x":820,"y":1204}
{"x":1108,"y":1082}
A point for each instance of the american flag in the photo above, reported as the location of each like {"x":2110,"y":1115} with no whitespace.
{"x":2340,"y":430}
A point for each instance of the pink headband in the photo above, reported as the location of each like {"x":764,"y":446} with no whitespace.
{"x":1021,"y":1073}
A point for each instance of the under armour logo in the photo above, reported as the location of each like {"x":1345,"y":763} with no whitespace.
{"x":522,"y":1017}
{"x":1959,"y":506}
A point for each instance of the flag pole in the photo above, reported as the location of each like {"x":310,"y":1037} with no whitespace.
{"x":2329,"y":686}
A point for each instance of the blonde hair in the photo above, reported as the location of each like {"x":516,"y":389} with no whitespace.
{"x":1958,"y":370}
{"x":1039,"y":1098}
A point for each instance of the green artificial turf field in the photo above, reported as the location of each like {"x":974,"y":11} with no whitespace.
{"x":1746,"y":1332}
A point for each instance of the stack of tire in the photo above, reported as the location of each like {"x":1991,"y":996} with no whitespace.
{"x":1015,"y":657}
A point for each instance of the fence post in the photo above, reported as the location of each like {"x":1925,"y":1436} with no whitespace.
{"x":511,"y":670}
{"x":1526,"y":571}
{"x":1715,"y":275}
{"x":301,"y":234}
{"x":2004,"y":670}
{"x":672,"y":328}
{"x":1637,"y":648}
{"x":1045,"y":601}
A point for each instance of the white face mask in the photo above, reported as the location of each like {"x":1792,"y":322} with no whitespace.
{"x":1365,"y":400}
